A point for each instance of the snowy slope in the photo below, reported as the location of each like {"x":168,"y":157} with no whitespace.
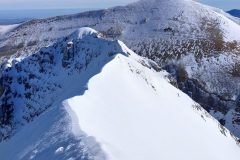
{"x":27,"y":79}
{"x":134,"y":113}
{"x":167,"y":31}
{"x":118,"y":107}
{"x":148,"y":17}
{"x":182,"y":36}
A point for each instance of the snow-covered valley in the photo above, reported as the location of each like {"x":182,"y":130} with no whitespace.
{"x":109,"y":104}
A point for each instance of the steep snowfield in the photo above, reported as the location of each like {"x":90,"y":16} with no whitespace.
{"x":134,"y":113}
{"x":118,"y":107}
{"x":6,"y":28}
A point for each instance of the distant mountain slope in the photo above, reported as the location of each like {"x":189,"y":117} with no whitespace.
{"x":197,"y":44}
{"x":234,"y":12}
{"x":108,"y":103}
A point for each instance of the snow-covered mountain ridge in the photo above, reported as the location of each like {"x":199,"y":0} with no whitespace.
{"x":31,"y":84}
{"x":183,"y":36}
{"x":197,"y":44}
{"x":95,"y":99}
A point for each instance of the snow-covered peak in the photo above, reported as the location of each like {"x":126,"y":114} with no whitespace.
{"x":155,"y":19}
{"x":181,"y":19}
{"x":84,"y":32}
{"x":194,"y":40}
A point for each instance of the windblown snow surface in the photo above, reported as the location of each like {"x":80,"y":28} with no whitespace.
{"x":134,"y":113}
{"x":120,"y":108}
